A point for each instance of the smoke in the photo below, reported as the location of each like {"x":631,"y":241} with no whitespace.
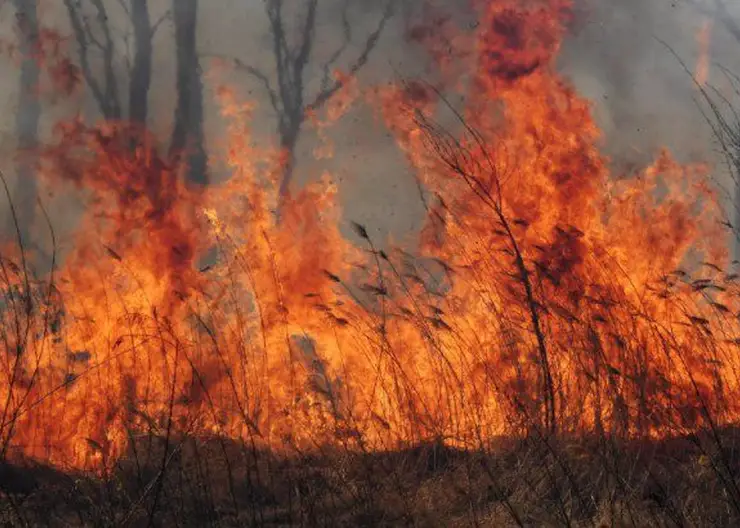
{"x":620,"y":56}
{"x":631,"y":58}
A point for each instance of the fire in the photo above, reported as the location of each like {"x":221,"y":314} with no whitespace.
{"x":703,"y":41}
{"x":546,"y":295}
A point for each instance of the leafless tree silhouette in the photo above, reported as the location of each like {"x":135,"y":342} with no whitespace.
{"x":105,"y":89}
{"x":292,"y":57}
{"x":95,"y":39}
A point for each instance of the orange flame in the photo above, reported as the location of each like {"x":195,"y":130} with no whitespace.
{"x":703,"y":42}
{"x":545,"y":293}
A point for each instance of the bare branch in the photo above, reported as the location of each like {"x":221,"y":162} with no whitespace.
{"x":370,"y":44}
{"x":346,"y":40}
{"x":167,"y":15}
{"x":83,"y":43}
{"x":257,"y":74}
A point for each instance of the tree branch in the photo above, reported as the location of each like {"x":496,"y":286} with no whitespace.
{"x":370,"y":44}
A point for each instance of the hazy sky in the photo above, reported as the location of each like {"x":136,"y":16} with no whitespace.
{"x":643,"y":98}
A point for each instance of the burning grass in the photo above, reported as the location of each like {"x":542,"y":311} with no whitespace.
{"x":562,"y":343}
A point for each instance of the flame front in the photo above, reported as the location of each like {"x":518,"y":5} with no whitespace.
{"x":546,"y":294}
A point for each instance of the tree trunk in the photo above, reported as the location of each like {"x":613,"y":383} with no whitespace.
{"x":141,"y":72}
{"x":27,"y":117}
{"x":188,"y":143}
{"x":288,"y":142}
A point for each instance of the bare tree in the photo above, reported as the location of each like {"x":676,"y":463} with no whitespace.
{"x":91,"y":26}
{"x":96,"y":41}
{"x":104,"y":87}
{"x":287,"y":93}
{"x":27,"y":116}
{"x":187,"y":133}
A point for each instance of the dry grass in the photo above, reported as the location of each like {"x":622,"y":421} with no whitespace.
{"x":564,"y":463}
{"x":214,"y":482}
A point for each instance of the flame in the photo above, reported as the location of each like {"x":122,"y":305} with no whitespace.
{"x":546,"y":294}
{"x":703,"y":42}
